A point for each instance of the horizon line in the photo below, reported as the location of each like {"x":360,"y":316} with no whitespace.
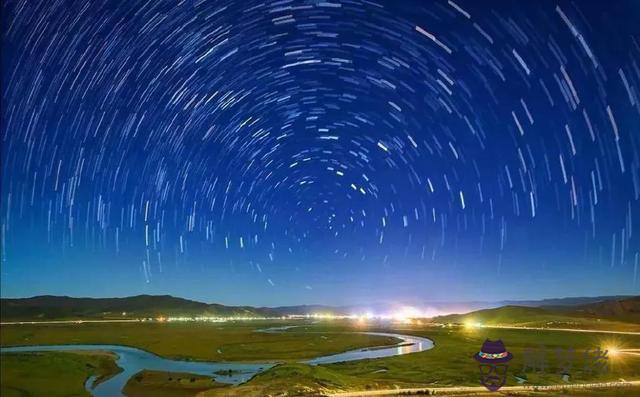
{"x":329,"y":305}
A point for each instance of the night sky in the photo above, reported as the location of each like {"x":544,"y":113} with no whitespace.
{"x":335,"y":152}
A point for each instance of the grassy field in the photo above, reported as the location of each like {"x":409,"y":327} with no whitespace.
{"x":168,"y":384}
{"x":449,"y":363}
{"x":52,"y":374}
{"x":232,"y":341}
{"x":291,"y":380}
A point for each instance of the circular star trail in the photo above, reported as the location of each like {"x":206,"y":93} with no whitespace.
{"x":299,"y":143}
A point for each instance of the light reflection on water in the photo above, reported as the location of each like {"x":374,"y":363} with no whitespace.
{"x":133,"y":360}
{"x":408,"y":344}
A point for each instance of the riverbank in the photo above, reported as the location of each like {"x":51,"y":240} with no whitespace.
{"x":135,"y":362}
{"x":54,"y":374}
{"x":219,"y":342}
{"x":448,"y":364}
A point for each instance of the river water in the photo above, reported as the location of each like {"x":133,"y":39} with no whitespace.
{"x":133,"y":360}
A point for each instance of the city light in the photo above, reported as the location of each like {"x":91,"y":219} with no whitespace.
{"x":472,"y":324}
{"x":404,"y":315}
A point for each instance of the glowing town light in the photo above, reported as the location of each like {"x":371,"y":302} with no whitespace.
{"x":472,"y":324}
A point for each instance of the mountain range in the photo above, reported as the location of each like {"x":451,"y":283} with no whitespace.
{"x":49,"y":307}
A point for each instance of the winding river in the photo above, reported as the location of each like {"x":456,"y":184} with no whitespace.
{"x":133,"y":360}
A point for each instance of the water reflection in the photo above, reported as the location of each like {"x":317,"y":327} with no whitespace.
{"x":133,"y":360}
{"x":408,"y":344}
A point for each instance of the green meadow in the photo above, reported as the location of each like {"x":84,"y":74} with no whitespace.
{"x":168,"y":384}
{"x":449,"y":363}
{"x":53,"y":374}
{"x":231,"y":341}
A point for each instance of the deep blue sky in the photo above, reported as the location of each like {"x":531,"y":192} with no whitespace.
{"x":321,"y":151}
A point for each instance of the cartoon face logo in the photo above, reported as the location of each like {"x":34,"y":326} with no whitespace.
{"x":493,"y":358}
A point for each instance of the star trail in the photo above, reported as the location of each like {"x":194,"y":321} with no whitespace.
{"x":321,"y":151}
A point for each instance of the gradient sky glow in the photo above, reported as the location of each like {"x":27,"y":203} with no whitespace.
{"x":335,"y":152}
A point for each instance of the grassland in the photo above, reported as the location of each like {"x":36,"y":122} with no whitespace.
{"x":168,"y":384}
{"x":291,"y":380}
{"x":232,"y":341}
{"x":449,"y":363}
{"x":52,"y":374}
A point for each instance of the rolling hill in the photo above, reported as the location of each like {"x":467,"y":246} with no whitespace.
{"x":623,"y":313}
{"x":63,"y":307}
{"x":618,"y":309}
{"x":570,"y":301}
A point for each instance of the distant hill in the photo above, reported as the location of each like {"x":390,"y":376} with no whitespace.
{"x":49,"y":307}
{"x":625,"y":310}
{"x":63,"y":307}
{"x":311,"y":309}
{"x":620,"y":309}
{"x":573,"y":301}
{"x":518,"y":315}
{"x":467,"y":307}
{"x":444,"y":307}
